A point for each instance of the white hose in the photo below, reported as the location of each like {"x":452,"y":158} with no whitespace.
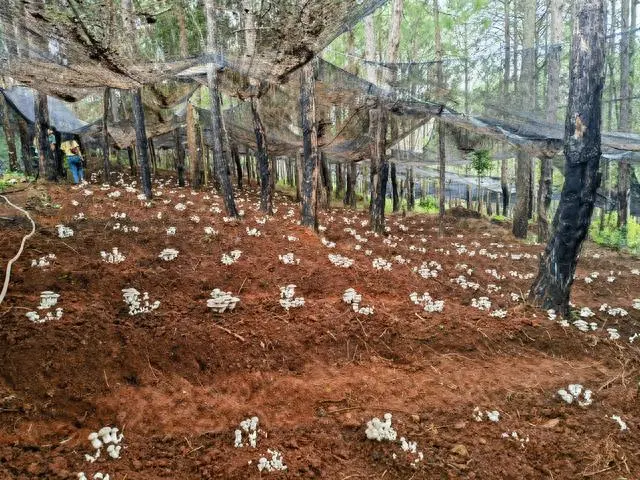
{"x":7,"y":276}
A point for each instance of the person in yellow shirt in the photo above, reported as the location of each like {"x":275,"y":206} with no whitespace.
{"x":71,"y":151}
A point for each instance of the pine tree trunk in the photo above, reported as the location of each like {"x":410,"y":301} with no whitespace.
{"x":339,"y":181}
{"x":350,"y":193}
{"x":624,"y":125}
{"x":26,"y":140}
{"x":504,"y":186}
{"x":299,"y":170}
{"x":411,"y":199}
{"x":46,"y":161}
{"x":179,"y":153}
{"x":552,"y":287}
{"x":523,"y":209}
{"x":132,"y":163}
{"x":142,"y":146}
{"x":220,"y":167}
{"x":311,"y":158}
{"x":236,"y":160}
{"x":325,"y":185}
{"x":106,"y":164}
{"x":394,"y":188}
{"x":553,"y":100}
{"x":379,"y":166}
{"x":9,"y":134}
{"x":192,"y":145}
{"x":441,"y":132}
{"x":266,"y":193}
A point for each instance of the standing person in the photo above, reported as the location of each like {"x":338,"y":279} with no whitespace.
{"x":72,"y":153}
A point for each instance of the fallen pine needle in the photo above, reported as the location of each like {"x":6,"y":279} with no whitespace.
{"x":224,"y":329}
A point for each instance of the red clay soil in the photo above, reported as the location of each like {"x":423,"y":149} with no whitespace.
{"x":178,"y":384}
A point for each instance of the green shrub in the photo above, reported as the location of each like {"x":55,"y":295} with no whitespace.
{"x":613,"y":237}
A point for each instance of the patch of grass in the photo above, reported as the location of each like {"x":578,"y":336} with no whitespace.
{"x":10,"y":180}
{"x":613,"y":237}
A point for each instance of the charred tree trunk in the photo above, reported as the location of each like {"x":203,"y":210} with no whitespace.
{"x":379,"y":166}
{"x":26,"y":140}
{"x":142,"y":146}
{"x":325,"y":196}
{"x":9,"y":134}
{"x":339,"y":181}
{"x":47,"y":162}
{"x":132,"y":162}
{"x":394,"y":188}
{"x":521,"y":209}
{"x":552,"y":287}
{"x":504,"y":186}
{"x":624,"y":124}
{"x":350,"y":192}
{"x":266,"y":192}
{"x":236,"y":160}
{"x":311,"y":160}
{"x":106,"y":164}
{"x":179,"y":152}
{"x":299,"y":171}
{"x":411,"y":199}
{"x":219,"y":162}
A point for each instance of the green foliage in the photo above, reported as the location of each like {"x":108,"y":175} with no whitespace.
{"x":613,"y":237}
{"x":10,"y":180}
{"x":481,"y":162}
{"x":428,"y":204}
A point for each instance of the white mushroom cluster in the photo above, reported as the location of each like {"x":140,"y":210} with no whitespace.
{"x":340,"y":261}
{"x":231,"y":258}
{"x":353,"y":298}
{"x":482,"y":303}
{"x":43,"y":261}
{"x":492,"y":415}
{"x":222,"y":301}
{"x":137,"y":305}
{"x":275,"y":464}
{"x":576,"y":392}
{"x":48,"y":300}
{"x":105,"y":437}
{"x":381,"y":264}
{"x":428,"y":269}
{"x":115,"y":256}
{"x":250,"y":427}
{"x":381,"y":429}
{"x":168,"y":254}
{"x":253,"y":232}
{"x":429,"y":304}
{"x":288,"y":299}
{"x":289,"y":259}
{"x":64,"y":232}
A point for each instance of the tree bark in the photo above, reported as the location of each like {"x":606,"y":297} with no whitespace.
{"x":350,"y":193}
{"x":504,"y":186}
{"x":106,"y":164}
{"x":379,"y":166}
{"x":192,"y":145}
{"x":339,"y":181}
{"x":411,"y":199}
{"x":523,"y":160}
{"x":311,"y":159}
{"x":142,"y":146}
{"x":624,"y":124}
{"x":325,"y":185}
{"x":47,"y":161}
{"x":441,"y":132}
{"x":236,"y":160}
{"x":26,"y":140}
{"x":394,"y":188}
{"x":132,"y":162}
{"x":179,"y":152}
{"x":553,"y":100}
{"x":266,"y":192}
{"x":552,"y":287}
{"x":220,"y":170}
{"x":9,"y":134}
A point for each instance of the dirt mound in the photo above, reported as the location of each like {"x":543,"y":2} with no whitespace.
{"x":179,"y":379}
{"x":461,"y":212}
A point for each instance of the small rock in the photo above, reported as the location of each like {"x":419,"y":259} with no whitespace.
{"x":482,"y":441}
{"x":460,"y":450}
{"x":460,"y":425}
{"x":551,"y":423}
{"x":415,"y":418}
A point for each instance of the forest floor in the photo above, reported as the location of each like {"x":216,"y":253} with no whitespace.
{"x":179,"y":379}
